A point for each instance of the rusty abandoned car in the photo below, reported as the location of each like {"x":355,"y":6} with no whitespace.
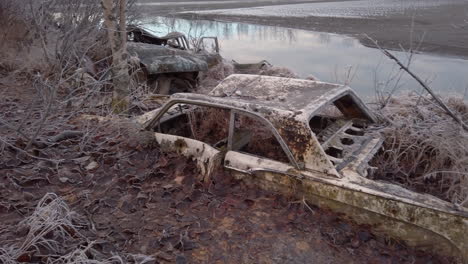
{"x":308,"y":139}
{"x":169,"y":64}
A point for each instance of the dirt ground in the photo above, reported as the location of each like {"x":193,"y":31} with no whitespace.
{"x":140,"y":201}
{"x":136,"y":200}
{"x":441,"y":30}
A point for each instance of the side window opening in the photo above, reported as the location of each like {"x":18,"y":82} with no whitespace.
{"x":211,"y":125}
{"x":206,"y":124}
{"x":254,"y":137}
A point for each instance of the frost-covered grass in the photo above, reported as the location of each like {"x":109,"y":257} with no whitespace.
{"x":425,"y":149}
{"x":49,"y":229}
{"x":53,"y":237}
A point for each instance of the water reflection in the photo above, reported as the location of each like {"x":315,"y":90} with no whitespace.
{"x":330,"y":57}
{"x":225,"y":31}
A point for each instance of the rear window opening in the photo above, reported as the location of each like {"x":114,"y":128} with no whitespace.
{"x":339,"y":128}
{"x":324,"y":119}
{"x":332,"y":117}
{"x":320,"y":123}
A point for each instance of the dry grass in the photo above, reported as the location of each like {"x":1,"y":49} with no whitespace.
{"x":53,"y":237}
{"x":424,"y":149}
{"x":49,"y":229}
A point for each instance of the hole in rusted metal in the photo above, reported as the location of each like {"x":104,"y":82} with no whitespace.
{"x":335,"y":152}
{"x":354,"y":132}
{"x":347,"y":141}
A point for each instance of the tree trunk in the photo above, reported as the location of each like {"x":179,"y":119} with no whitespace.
{"x":115,"y":23}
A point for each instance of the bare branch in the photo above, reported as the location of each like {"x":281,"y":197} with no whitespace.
{"x":422,"y":83}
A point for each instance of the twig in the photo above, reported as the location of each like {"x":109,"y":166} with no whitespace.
{"x":307,"y":205}
{"x":422,"y":83}
{"x":11,"y":127}
{"x":34,"y":142}
{"x":30,"y":155}
{"x":67,"y":134}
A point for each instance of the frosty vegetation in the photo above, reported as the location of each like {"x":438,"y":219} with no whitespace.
{"x":56,"y":55}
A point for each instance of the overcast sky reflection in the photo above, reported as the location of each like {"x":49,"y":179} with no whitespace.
{"x":330,"y":57}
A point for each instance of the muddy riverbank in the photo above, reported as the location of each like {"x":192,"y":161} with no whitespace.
{"x":434,"y":26}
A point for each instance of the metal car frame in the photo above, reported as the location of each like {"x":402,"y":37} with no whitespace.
{"x":420,"y":220}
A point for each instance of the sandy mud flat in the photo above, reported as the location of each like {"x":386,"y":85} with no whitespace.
{"x":437,"y":26}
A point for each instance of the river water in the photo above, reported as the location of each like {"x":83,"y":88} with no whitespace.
{"x":329,"y":57}
{"x":349,"y":9}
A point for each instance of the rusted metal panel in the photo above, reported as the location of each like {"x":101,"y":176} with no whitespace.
{"x":158,"y":59}
{"x":170,"y":53}
{"x":142,"y":35}
{"x":249,"y":67}
{"x":420,"y":220}
{"x":207,"y":157}
{"x":418,"y":225}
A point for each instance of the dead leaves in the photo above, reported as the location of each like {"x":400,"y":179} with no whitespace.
{"x":136,"y":200}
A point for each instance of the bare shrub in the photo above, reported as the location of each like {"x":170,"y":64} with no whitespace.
{"x":14,"y":36}
{"x":62,"y":35}
{"x":424,"y":148}
{"x":64,"y":59}
{"x":13,"y":20}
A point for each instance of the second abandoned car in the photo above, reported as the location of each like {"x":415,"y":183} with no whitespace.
{"x":168,"y":64}
{"x":306,"y":138}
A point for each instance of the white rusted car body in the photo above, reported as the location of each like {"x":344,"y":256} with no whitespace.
{"x":290,"y":108}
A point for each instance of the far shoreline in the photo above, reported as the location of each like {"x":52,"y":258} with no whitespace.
{"x":397,"y":38}
{"x":443,"y":29}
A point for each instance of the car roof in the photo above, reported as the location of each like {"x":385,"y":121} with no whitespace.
{"x":170,"y":35}
{"x":266,"y":94}
{"x":283,"y":93}
{"x":160,"y":59}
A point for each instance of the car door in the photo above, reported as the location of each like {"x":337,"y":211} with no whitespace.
{"x":207,"y":157}
{"x":176,"y":129}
